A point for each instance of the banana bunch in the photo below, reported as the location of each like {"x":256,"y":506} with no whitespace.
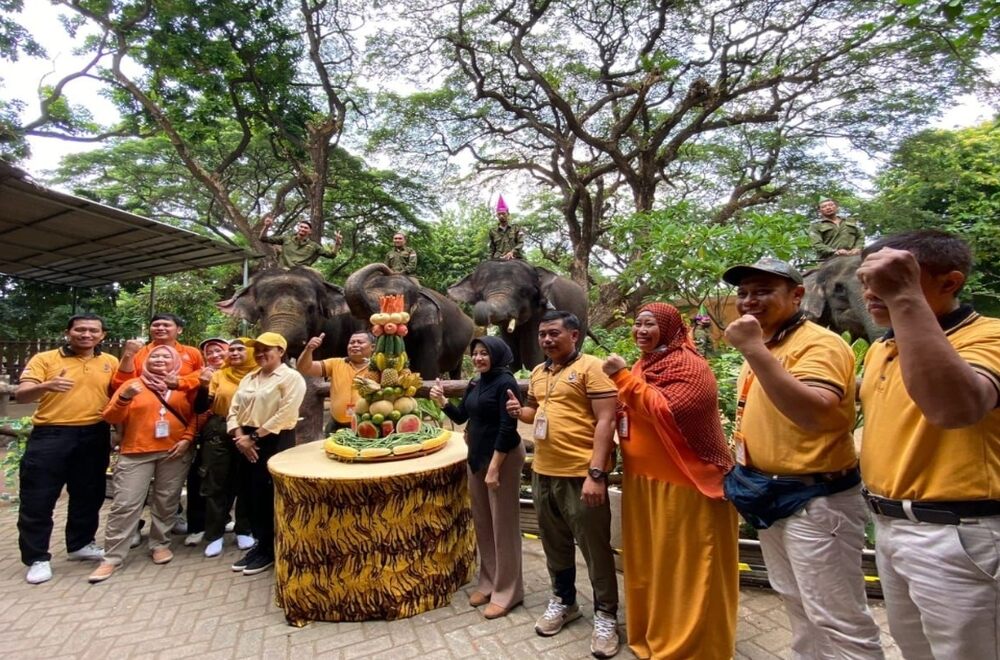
{"x":366,"y":386}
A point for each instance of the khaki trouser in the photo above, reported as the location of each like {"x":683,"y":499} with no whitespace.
{"x":563,"y":519}
{"x":132,"y":477}
{"x":813,"y":561}
{"x":496,"y":515}
{"x":942,"y":586}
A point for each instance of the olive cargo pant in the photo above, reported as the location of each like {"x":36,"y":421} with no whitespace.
{"x":563,"y":519}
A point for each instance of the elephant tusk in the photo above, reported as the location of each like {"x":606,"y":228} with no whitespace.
{"x":510,"y":326}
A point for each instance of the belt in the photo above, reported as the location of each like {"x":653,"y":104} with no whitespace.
{"x":939,"y":513}
{"x":830,"y":478}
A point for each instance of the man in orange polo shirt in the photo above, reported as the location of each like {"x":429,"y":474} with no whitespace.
{"x":163,"y":329}
{"x":571,"y":403}
{"x":69,"y":445}
{"x":930,"y":455}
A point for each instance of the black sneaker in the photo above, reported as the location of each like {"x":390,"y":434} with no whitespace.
{"x":258,"y":564}
{"x":243,"y":561}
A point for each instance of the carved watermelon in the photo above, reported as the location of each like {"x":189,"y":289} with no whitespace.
{"x":408,"y":424}
{"x":367,"y":430}
{"x":388,"y":426}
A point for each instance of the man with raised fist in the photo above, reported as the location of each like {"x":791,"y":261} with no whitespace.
{"x":69,"y":445}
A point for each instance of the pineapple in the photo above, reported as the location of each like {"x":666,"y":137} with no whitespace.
{"x":390,"y":378}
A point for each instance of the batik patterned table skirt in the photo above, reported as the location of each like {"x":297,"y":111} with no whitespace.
{"x":355,"y":542}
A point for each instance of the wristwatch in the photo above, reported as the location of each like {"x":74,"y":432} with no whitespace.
{"x":597,"y":474}
{"x":254,"y":436}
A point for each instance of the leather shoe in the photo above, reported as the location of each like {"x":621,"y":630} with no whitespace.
{"x":494,"y":611}
{"x":478,"y":598}
{"x":101,"y":573}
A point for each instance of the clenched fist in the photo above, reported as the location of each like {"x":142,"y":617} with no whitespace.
{"x":744,"y":333}
{"x":890,"y":273}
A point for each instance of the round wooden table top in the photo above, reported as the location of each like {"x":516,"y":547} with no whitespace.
{"x":309,"y":461}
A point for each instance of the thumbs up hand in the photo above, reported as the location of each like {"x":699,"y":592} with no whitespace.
{"x":437,"y":393}
{"x":513,"y":405}
{"x":60,"y":383}
{"x":315,"y":342}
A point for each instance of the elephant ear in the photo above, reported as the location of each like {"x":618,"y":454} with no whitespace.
{"x":463,"y":292}
{"x":242,"y":305}
{"x":425,"y":311}
{"x":332,"y":302}
{"x":546,"y":279}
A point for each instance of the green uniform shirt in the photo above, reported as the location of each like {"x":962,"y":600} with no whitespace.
{"x":828,"y":237}
{"x":506,"y":239}
{"x":402,"y":261}
{"x":296,"y":252}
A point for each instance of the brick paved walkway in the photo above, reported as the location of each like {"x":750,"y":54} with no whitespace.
{"x":197,"y":607}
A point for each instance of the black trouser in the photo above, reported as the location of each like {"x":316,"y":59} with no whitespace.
{"x":257,"y":482}
{"x":220,"y":461}
{"x":56,"y":456}
{"x":195,"y":501}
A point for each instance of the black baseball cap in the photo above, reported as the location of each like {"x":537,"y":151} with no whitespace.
{"x":766,"y":266}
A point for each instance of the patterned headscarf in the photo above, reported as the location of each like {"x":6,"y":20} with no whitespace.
{"x":158,"y":382}
{"x":677,"y":370}
{"x":236,"y":374}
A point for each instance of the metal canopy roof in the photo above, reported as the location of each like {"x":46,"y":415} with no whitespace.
{"x":53,"y":237}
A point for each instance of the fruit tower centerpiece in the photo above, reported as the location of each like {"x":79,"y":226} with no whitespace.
{"x":387,"y":423}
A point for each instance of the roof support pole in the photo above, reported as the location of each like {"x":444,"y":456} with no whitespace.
{"x":152,"y":296}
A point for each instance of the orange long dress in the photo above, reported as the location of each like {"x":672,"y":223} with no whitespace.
{"x":680,"y":537}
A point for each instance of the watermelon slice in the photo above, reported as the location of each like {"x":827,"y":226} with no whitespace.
{"x":388,"y":426}
{"x":367,"y":430}
{"x":408,"y":424}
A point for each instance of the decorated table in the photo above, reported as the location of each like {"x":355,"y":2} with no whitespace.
{"x":360,"y":541}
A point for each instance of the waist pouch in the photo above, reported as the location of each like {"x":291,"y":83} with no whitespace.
{"x":764,"y":499}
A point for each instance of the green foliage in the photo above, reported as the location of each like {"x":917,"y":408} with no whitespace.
{"x":614,"y":340}
{"x":36,"y":310}
{"x":949,"y":180}
{"x":726,"y":365}
{"x":681,"y":254}
{"x":190,"y":295}
{"x":11,"y":462}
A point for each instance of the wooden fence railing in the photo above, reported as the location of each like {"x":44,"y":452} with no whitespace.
{"x":15,"y":354}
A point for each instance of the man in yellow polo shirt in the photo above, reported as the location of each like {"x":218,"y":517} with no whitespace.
{"x":571,"y":403}
{"x":341,"y":372}
{"x":930,"y":455}
{"x":796,"y":402}
{"x":69,"y":445}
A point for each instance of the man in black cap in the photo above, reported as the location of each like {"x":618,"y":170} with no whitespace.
{"x":298,"y":249}
{"x":794,"y":426}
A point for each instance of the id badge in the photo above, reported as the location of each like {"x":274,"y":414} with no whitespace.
{"x":162,"y":429}
{"x":541,"y":427}
{"x":741,"y":448}
{"x":623,"y":426}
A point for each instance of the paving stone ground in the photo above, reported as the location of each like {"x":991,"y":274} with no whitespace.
{"x":197,"y":607}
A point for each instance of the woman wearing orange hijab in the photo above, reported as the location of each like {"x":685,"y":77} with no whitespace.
{"x":680,"y":537}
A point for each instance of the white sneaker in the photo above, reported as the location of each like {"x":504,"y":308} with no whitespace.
{"x":194,"y":539}
{"x":214,"y":549}
{"x":604,"y":643}
{"x":230,"y":526}
{"x":38,"y":572}
{"x":136,"y":539}
{"x":245,"y":541}
{"x":89,"y":552}
{"x":180,"y":526}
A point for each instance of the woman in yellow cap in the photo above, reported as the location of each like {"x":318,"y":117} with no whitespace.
{"x":261,"y":421}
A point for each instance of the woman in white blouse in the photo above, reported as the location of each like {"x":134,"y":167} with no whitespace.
{"x":262,"y":420}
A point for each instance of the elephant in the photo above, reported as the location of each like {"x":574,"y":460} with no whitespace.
{"x":833,"y":299}
{"x":515,"y":295}
{"x":297,"y":304}
{"x":439,"y":332}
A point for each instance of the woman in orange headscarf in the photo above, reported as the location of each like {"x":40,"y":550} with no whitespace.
{"x":158,"y":426}
{"x":680,"y":537}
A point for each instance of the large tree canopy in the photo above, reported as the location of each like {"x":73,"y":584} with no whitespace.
{"x":596,"y":99}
